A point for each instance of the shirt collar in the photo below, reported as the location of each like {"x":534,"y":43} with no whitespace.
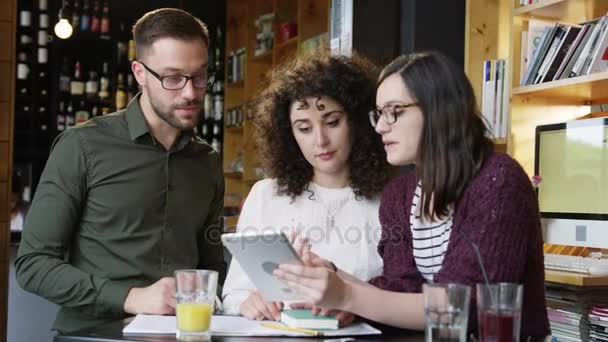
{"x":136,"y":123}
{"x":138,"y":127}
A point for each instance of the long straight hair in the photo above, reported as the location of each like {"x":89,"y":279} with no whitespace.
{"x":454,"y":142}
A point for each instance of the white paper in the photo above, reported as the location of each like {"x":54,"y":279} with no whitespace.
{"x":233,"y":326}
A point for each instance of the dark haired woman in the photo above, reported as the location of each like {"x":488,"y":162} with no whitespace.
{"x":427,"y":116}
{"x":328,"y":169}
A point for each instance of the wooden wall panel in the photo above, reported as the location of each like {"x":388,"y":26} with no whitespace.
{"x":4,"y":161}
{"x":6,"y":37}
{"x":5,"y":236}
{"x":8,"y":23}
{"x":6,"y":10}
{"x":4,"y":189}
{"x":6,"y":83}
{"x":5,"y":121}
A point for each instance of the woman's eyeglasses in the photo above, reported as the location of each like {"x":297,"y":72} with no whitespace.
{"x":390,"y":113}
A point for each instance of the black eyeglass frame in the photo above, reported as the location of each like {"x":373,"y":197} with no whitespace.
{"x":390,"y":117}
{"x":208,"y":83}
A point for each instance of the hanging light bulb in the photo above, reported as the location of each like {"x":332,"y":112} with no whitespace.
{"x":63,"y":28}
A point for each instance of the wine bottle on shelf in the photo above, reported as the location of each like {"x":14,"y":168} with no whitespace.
{"x":43,"y":83}
{"x":121,"y":46}
{"x":61,"y":117}
{"x":69,"y":115}
{"x":25,"y":14}
{"x":121,"y":93}
{"x":77,"y":84}
{"x":94,"y":111}
{"x":132,"y":52}
{"x":95,"y":17}
{"x":85,"y":19}
{"x":64,"y":77}
{"x":104,"y":82}
{"x":76,"y":15}
{"x":82,"y":114}
{"x":43,"y":55}
{"x":43,"y":21}
{"x":25,"y":39}
{"x":23,"y":69}
{"x":92,"y":86}
{"x":105,"y":20}
{"x":43,"y":119}
{"x":217,"y":52}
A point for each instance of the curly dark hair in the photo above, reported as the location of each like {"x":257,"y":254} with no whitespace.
{"x":350,"y":81}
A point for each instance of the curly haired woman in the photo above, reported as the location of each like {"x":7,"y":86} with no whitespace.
{"x":328,"y":169}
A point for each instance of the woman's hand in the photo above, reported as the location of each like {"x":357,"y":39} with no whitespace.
{"x":315,"y":280}
{"x":256,"y":308}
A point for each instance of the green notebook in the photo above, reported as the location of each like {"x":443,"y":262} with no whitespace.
{"x":306,"y":320}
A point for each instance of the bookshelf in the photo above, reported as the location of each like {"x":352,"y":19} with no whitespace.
{"x":241,"y":165}
{"x":494,"y":30}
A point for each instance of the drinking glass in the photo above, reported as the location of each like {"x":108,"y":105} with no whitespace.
{"x":499,"y":312}
{"x":446,"y":309}
{"x":195,"y":295}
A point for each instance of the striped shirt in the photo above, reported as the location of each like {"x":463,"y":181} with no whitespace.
{"x":429,"y":238}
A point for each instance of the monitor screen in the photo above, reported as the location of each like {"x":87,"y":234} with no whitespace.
{"x":572,"y":160}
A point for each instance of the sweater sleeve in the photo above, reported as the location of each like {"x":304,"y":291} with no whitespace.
{"x":238,"y":285}
{"x":395,"y":246}
{"x":500,"y":216}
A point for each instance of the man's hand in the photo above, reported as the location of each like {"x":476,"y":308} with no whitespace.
{"x":156,"y":299}
{"x":256,"y":308}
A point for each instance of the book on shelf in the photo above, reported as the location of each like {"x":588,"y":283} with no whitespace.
{"x":531,"y":41}
{"x":304,"y":318}
{"x":574,"y":52}
{"x":556,"y":51}
{"x":495,"y":96}
{"x":560,"y":33}
{"x":539,"y":54}
{"x":562,"y":50}
{"x":582,"y":64}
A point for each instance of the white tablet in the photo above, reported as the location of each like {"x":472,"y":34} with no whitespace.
{"x":259,"y":254}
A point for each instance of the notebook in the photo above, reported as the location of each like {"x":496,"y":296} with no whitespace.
{"x":302,"y":318}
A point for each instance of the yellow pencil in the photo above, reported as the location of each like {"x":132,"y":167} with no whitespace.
{"x":286,"y":328}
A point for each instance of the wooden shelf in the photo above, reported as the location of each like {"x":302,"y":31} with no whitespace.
{"x":563,"y":10}
{"x":237,"y":84}
{"x":570,"y":278}
{"x":500,"y":141}
{"x":293,"y":41}
{"x":266,"y":56}
{"x":236,"y":130}
{"x":233,"y":174}
{"x":592,"y":87}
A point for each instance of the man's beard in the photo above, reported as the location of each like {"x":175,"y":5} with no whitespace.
{"x":171,"y":119}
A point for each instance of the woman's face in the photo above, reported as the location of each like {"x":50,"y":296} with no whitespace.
{"x":322,"y":131}
{"x":402,"y":137}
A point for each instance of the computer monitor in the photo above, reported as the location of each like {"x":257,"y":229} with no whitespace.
{"x":572,"y":160}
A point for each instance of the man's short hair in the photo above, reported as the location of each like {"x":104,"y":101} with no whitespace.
{"x":167,"y":23}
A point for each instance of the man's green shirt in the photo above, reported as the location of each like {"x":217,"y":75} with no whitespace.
{"x":115,"y":210}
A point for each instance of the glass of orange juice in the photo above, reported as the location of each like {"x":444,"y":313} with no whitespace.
{"x":195,"y":295}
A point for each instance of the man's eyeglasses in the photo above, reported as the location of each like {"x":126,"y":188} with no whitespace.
{"x":177,"y":82}
{"x":390,"y":113}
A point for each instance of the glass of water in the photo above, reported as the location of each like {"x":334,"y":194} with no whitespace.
{"x":446,"y":309}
